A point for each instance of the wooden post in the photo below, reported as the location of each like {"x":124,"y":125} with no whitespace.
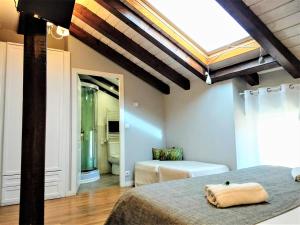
{"x":34,"y":122}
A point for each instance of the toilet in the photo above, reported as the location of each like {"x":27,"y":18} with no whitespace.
{"x":114,"y":155}
{"x":113,"y":141}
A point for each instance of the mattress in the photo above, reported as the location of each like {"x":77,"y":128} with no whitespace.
{"x":154,"y":171}
{"x":182,"y":202}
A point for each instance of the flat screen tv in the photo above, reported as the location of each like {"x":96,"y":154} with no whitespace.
{"x":113,"y":126}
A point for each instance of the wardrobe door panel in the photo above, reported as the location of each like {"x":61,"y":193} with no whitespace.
{"x":55,"y":107}
{"x":13,"y":110}
{"x":2,"y":89}
{"x":57,"y":122}
{"x":55,"y":126}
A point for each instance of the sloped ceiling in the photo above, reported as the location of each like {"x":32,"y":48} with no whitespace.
{"x":282,"y":17}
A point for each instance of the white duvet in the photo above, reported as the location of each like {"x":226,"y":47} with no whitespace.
{"x":154,"y":171}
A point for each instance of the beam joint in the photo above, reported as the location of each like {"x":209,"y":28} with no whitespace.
{"x":261,"y":33}
{"x":242,"y":69}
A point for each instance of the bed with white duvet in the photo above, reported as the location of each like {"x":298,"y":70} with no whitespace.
{"x":155,"y":171}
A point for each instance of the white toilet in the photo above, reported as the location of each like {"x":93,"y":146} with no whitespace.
{"x":113,"y":141}
{"x":114,"y":155}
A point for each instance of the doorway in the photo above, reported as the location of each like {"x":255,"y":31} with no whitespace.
{"x":97,"y":131}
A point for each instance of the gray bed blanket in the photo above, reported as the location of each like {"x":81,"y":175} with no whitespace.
{"x":183,"y":201}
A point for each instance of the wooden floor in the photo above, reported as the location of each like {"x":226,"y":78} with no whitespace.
{"x":85,"y":208}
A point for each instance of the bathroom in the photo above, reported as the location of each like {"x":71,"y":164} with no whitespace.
{"x":100,"y":139}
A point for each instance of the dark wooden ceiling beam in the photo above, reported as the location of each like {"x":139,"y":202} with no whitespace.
{"x":252,"y":79}
{"x":142,"y":27}
{"x":243,"y":69}
{"x":108,"y":92}
{"x":119,"y":59}
{"x":126,"y":43}
{"x":106,"y":82}
{"x":259,"y":31}
{"x":105,"y":90}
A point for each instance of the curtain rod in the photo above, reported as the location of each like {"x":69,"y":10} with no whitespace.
{"x":270,"y":89}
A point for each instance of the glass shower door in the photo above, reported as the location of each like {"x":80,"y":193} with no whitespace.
{"x":88,"y":128}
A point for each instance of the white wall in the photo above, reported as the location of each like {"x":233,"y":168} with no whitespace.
{"x":207,"y":121}
{"x":146,"y":122}
{"x":106,"y":103}
{"x":201,"y":121}
{"x":242,"y":151}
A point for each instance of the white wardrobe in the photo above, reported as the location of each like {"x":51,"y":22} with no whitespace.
{"x":57,"y":122}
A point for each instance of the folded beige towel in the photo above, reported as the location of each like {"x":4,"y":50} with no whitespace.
{"x":223,"y":196}
{"x":296,"y":173}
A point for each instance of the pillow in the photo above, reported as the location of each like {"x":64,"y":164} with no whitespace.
{"x":156,"y":153}
{"x":165,"y":154}
{"x":172,"y":154}
{"x":176,"y":154}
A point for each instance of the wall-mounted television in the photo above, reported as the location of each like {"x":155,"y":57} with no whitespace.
{"x":113,"y":126}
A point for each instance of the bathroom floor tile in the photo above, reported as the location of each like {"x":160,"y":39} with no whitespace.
{"x":106,"y":180}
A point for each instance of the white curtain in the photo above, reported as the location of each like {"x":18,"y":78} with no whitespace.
{"x":272,"y":126}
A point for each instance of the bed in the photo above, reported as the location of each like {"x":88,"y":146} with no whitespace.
{"x":154,"y":171}
{"x":182,"y":202}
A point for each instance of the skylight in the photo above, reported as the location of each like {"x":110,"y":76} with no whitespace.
{"x":203,"y":21}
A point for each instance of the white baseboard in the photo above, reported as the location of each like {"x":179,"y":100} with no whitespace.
{"x":129,"y":183}
{"x":70,"y":193}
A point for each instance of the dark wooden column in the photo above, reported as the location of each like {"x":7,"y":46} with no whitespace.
{"x":34,"y":122}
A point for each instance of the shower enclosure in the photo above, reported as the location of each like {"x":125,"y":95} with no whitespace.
{"x":89,"y":131}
